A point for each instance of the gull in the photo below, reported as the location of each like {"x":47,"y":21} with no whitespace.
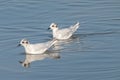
{"x":37,"y":48}
{"x":65,"y":33}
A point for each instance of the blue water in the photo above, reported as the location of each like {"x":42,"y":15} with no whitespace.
{"x":93,"y":53}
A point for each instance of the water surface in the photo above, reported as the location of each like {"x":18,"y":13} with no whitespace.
{"x":92,"y":54}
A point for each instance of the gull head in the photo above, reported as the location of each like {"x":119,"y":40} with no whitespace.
{"x":23,"y":42}
{"x":53,"y":26}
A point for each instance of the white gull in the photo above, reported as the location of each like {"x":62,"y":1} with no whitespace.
{"x":37,"y":48}
{"x":65,"y":33}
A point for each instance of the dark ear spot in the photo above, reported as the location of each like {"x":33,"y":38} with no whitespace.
{"x":26,"y":42}
{"x":56,"y":26}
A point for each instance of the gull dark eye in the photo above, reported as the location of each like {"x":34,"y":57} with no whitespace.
{"x":23,"y":42}
{"x":26,"y":42}
{"x":52,"y":25}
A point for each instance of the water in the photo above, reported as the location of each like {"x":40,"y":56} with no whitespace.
{"x":93,"y":53}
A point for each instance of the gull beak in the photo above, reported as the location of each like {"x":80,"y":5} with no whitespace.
{"x":18,"y":45}
{"x":49,"y":28}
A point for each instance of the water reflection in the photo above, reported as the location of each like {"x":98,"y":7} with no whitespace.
{"x":29,"y":58}
{"x":60,"y":43}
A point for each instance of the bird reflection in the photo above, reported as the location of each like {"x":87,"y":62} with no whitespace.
{"x":59,"y":45}
{"x":35,"y":57}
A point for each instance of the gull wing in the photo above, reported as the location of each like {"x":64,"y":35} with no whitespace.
{"x":42,"y":47}
{"x":67,"y":32}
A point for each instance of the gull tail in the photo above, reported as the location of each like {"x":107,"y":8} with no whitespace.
{"x":75,"y":27}
{"x":50,"y":43}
